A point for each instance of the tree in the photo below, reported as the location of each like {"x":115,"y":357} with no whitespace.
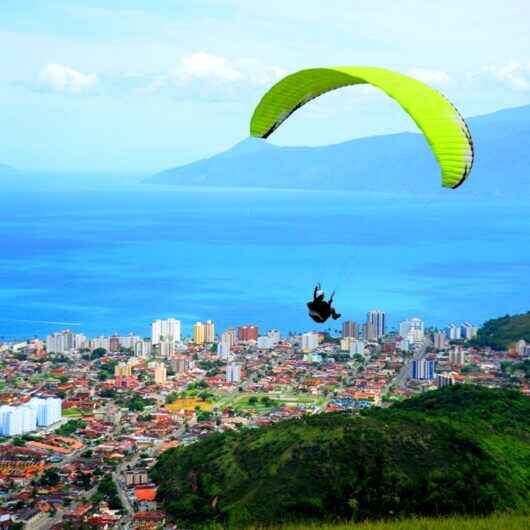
{"x":203,"y":415}
{"x":204,"y":396}
{"x":70,"y":427}
{"x":50,"y":477}
{"x":171,"y":398}
{"x":108,"y":491}
{"x":99,"y":352}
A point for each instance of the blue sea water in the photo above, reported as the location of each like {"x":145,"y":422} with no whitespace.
{"x":112,"y":260}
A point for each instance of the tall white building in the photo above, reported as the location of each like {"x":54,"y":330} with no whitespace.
{"x":29,"y":418}
{"x":310,"y":341}
{"x":376,"y":319}
{"x":65,"y":341}
{"x":439,"y":340}
{"x":165,"y":330}
{"x":143,"y":348}
{"x":10,"y":421}
{"x":412,"y":330}
{"x":209,"y":332}
{"x":457,"y":356}
{"x":357,"y":347}
{"x":223,"y":350}
{"x":224,"y":346}
{"x":264,"y":343}
{"x":167,"y":348}
{"x":445,"y":379}
{"x":15,"y":421}
{"x":129,"y":341}
{"x":274,"y":336}
{"x":233,"y":373}
{"x":422,"y":369}
{"x":160,"y":373}
{"x":48,"y":410}
{"x":229,"y":337}
{"x":99,"y":342}
{"x":454,"y":332}
{"x":469,"y":331}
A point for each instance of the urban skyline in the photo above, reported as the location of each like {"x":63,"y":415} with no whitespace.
{"x":411,"y":330}
{"x":115,"y":403}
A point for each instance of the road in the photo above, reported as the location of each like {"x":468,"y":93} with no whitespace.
{"x":403,"y":375}
{"x":47,"y":522}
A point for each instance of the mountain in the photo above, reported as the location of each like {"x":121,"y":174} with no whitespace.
{"x":499,"y":333}
{"x":458,"y":450}
{"x":391,"y":163}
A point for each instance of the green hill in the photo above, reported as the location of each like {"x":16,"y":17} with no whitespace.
{"x":460,"y":450}
{"x":499,"y":333}
{"x":492,"y":522}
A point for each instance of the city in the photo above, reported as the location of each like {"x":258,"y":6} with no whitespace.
{"x":83,"y":419}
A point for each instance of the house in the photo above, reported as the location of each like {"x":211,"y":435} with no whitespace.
{"x":31,"y":518}
{"x":148,"y":520}
{"x":146,"y":497}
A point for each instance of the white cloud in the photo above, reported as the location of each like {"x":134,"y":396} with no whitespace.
{"x":203,"y":65}
{"x":59,"y":78}
{"x":435,"y":77}
{"x":200,"y":75}
{"x":514,"y":74}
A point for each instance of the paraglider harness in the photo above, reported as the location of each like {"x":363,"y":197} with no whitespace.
{"x":319,"y":309}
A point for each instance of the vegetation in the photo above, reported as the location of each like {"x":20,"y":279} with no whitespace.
{"x":172,"y":397}
{"x":502,"y":332}
{"x":108,"y":491}
{"x":493,"y":522}
{"x":70,"y":427}
{"x":138,"y":403}
{"x":72,"y":411}
{"x":99,"y":352}
{"x":513,"y":368}
{"x":50,"y":477}
{"x":106,"y":370}
{"x":459,"y":450}
{"x":203,"y":415}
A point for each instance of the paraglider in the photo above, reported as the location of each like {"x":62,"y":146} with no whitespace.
{"x":319,"y":309}
{"x":440,"y":122}
{"x":443,"y":127}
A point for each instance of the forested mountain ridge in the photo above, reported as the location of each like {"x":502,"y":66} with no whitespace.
{"x":462,"y":449}
{"x":499,"y":333}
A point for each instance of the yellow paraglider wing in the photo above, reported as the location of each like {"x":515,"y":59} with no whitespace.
{"x":442,"y":125}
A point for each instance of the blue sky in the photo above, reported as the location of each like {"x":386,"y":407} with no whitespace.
{"x":141,"y":85}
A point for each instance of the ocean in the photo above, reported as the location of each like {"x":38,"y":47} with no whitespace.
{"x":112,"y":260}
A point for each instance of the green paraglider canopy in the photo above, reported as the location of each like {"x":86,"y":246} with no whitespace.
{"x":442,"y":125}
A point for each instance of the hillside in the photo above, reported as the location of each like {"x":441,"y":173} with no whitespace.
{"x":499,"y":333}
{"x":391,"y":163}
{"x":492,"y":522}
{"x":459,"y":450}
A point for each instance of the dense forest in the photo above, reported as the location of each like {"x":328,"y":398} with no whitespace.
{"x":499,"y":333}
{"x":459,"y":450}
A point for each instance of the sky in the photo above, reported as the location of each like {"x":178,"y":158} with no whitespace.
{"x":137,"y":86}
